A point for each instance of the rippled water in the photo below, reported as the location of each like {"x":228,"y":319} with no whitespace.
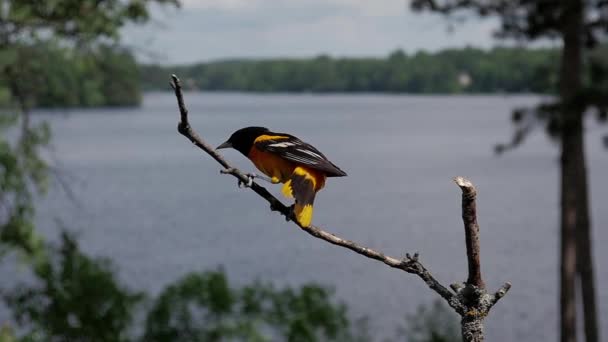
{"x":152,"y":202}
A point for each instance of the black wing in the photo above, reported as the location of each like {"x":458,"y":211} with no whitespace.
{"x":295,"y":150}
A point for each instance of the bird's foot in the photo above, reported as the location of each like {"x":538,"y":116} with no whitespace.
{"x":236,"y":173}
{"x":250,"y":177}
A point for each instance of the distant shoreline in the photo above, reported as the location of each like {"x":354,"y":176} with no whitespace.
{"x":450,"y":71}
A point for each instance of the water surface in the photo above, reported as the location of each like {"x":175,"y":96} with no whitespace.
{"x":156,"y":205}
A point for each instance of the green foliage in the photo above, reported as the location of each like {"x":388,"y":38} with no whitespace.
{"x":435,"y":323}
{"x":74,"y":19}
{"x":56,"y":76}
{"x":22,"y":174}
{"x":61,"y":52}
{"x":306,"y":314}
{"x":525,"y":19}
{"x":76,"y":298}
{"x":118,"y":73}
{"x":593,"y":98}
{"x":50,"y":54}
{"x":491,"y":71}
{"x":6,"y":334}
{"x":203,"y":307}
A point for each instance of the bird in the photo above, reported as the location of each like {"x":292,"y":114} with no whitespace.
{"x":286,"y":159}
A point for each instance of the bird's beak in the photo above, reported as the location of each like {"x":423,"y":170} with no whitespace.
{"x":226,"y":144}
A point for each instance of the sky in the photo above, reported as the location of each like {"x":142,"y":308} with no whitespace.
{"x":204,"y":30}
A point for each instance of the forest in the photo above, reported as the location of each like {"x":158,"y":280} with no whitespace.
{"x":449,"y":71}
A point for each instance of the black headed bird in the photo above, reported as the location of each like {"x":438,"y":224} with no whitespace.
{"x":286,"y":159}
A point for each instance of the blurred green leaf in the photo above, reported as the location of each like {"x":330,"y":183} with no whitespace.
{"x":433,"y":323}
{"x":203,"y":307}
{"x":74,"y":298}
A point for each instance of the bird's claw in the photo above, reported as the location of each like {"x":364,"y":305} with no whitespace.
{"x":250,"y":177}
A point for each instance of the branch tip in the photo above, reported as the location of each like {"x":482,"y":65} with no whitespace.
{"x":464,"y":183}
{"x":174,"y":82}
{"x":504,"y":289}
{"x":500,"y":293}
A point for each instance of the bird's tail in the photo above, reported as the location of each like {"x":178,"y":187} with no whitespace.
{"x":302,"y":186}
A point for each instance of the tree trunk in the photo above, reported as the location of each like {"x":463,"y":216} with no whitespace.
{"x":584,"y":254}
{"x":571,"y":159}
{"x":569,"y":207}
{"x":472,"y":328}
{"x":575,"y":198}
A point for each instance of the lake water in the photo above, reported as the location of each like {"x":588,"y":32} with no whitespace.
{"x":151,"y":201}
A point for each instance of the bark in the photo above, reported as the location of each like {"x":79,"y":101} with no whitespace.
{"x":472,"y":329}
{"x":571,"y":159}
{"x":568,"y":236}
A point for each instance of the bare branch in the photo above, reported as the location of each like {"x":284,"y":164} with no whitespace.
{"x":470,"y":300}
{"x":409,"y":264}
{"x":471,"y":229}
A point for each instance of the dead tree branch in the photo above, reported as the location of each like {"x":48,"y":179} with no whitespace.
{"x":471,"y":230}
{"x":470,"y":300}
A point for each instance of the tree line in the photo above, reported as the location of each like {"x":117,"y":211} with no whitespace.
{"x":109,"y":75}
{"x":465,"y":70}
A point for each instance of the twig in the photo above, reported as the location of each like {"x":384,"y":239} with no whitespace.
{"x":500,"y":293}
{"x":410,"y":264}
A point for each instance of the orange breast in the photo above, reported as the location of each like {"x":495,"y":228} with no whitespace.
{"x":271,"y":165}
{"x":276,"y":167}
